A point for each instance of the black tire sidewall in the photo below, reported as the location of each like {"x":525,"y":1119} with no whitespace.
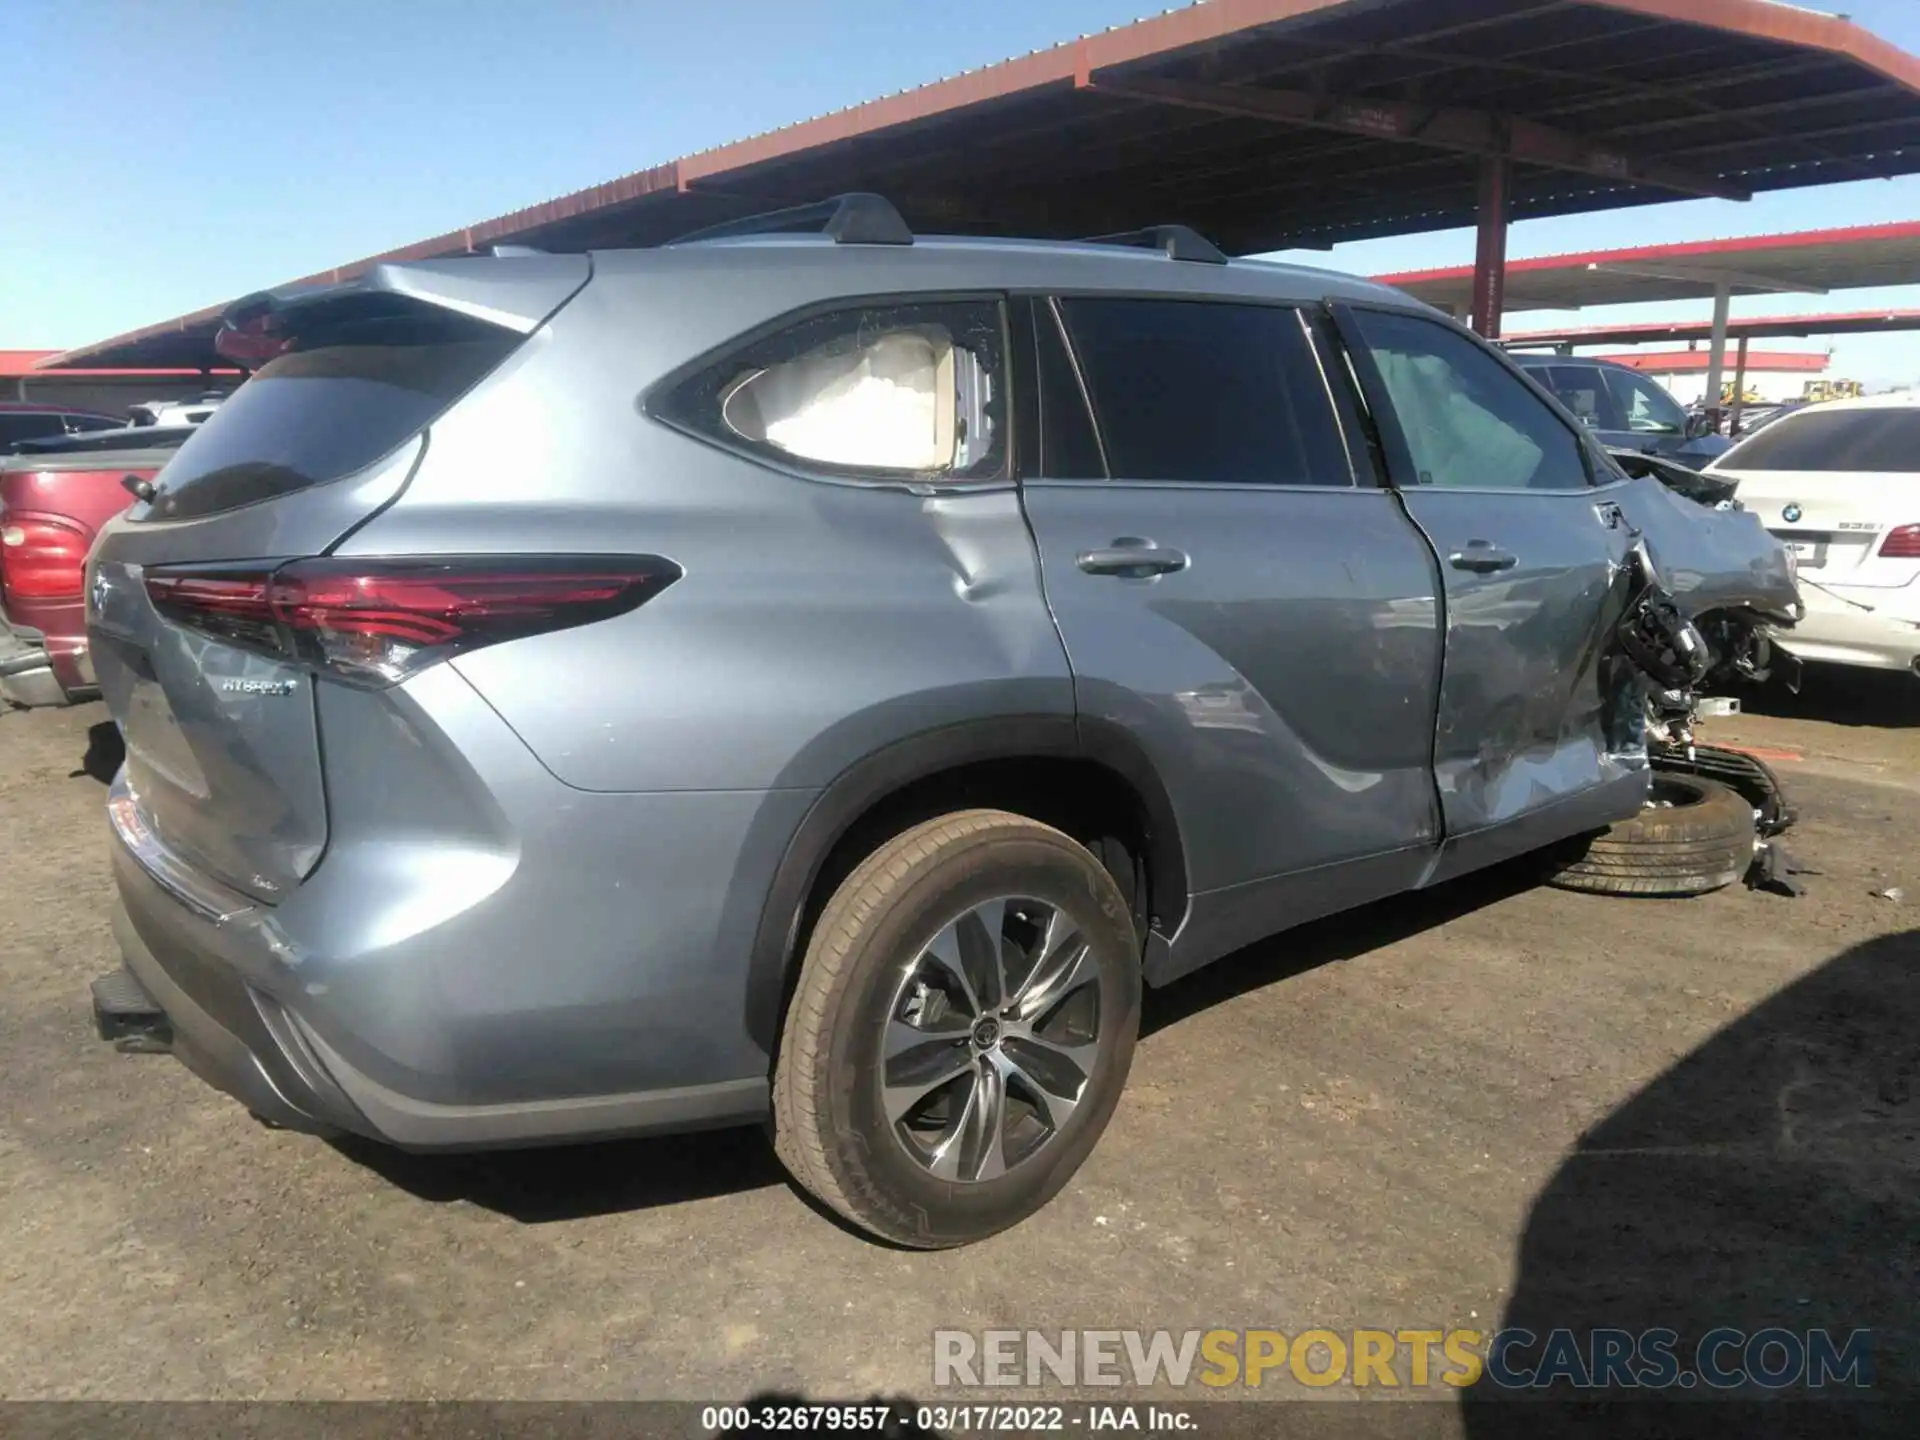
{"x":1035,"y":864}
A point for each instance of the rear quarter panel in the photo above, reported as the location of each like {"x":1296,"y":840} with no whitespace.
{"x":816,"y":620}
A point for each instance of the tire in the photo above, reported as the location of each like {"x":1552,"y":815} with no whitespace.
{"x":1694,"y":836}
{"x":877,"y":970}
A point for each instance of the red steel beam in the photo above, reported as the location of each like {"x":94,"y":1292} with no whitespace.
{"x":1468,"y":132}
{"x":1490,"y":248}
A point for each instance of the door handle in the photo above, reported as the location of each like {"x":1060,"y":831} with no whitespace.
{"x":1133,"y":559}
{"x":1482,"y":557}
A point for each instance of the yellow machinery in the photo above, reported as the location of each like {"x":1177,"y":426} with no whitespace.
{"x":1815,"y":391}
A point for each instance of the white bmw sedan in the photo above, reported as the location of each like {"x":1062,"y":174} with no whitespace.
{"x":1839,"y":484}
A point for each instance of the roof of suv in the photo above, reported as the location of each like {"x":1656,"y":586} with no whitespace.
{"x":964,"y":262}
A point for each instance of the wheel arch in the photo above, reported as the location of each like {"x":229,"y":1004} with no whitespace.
{"x":979,"y":760}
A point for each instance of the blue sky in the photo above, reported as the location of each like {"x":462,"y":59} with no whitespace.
{"x":210,"y":147}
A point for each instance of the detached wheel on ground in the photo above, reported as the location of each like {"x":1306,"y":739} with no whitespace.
{"x":1693,"y":836}
{"x":961,"y":1029}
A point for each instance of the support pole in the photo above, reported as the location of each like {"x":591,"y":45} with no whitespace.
{"x":1739,"y":386}
{"x":1717,"y":348}
{"x":1490,"y":250}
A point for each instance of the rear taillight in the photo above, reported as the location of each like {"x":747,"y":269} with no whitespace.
{"x":1902,"y":543}
{"x":378,"y":621}
{"x":43,"y":559}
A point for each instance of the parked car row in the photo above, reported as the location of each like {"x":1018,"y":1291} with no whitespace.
{"x":823,"y":677}
{"x":23,"y":421}
{"x":1838,"y":482}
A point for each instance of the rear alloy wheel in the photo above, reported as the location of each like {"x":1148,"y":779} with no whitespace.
{"x":961,"y":1029}
{"x":1693,"y":836}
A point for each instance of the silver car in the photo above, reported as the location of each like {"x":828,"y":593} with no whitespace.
{"x":824,"y":676}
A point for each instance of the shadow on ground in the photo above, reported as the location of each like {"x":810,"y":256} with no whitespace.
{"x":576,"y":1181}
{"x":1345,"y":936}
{"x":1841,"y":695}
{"x":105,"y":752}
{"x":1771,"y":1178}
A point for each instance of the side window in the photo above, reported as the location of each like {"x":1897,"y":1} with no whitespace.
{"x":1646,"y":407}
{"x":877,"y":390}
{"x":1582,"y":390}
{"x":28,"y":425}
{"x":1467,"y":422}
{"x":1193,"y":390}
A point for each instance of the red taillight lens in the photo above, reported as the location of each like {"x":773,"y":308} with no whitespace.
{"x":42,"y":559}
{"x":379,"y":621}
{"x":1902,"y":543}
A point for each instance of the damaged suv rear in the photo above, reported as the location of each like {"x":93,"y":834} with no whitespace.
{"x":825,"y":676}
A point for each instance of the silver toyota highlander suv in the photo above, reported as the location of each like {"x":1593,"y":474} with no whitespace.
{"x":818,"y":673}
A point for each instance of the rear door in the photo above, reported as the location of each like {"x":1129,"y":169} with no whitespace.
{"x":223,"y":747}
{"x":1230,"y":595}
{"x":1835,"y":485}
{"x":1526,"y":742}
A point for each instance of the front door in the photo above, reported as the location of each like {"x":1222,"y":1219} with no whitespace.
{"x":1528,"y":744}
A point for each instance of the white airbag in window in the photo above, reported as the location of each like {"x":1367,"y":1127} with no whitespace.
{"x":882,"y":401}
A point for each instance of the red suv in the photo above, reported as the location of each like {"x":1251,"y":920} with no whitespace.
{"x":52,"y":503}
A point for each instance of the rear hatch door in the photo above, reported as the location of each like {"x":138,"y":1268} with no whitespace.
{"x":224,"y":754}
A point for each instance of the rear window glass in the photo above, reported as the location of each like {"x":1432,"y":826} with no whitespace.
{"x":327,"y":410}
{"x":1884,"y":441}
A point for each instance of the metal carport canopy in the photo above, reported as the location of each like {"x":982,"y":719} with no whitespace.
{"x":1759,"y":327}
{"x":1811,"y":262}
{"x":1270,"y":124}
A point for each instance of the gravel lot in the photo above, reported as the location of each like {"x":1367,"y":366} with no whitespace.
{"x":1487,"y":1102}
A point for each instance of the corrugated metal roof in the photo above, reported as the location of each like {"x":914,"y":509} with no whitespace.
{"x":1276,"y":123}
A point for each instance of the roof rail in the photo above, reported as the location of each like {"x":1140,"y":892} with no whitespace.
{"x":513,"y":252}
{"x":856,"y":219}
{"x":1180,"y":243}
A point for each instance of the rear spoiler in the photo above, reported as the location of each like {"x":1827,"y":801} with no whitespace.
{"x":515,"y":293}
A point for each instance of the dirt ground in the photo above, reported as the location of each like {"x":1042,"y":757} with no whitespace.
{"x":1490,"y":1103}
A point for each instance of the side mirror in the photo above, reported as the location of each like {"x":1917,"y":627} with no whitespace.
{"x":1704,"y":423}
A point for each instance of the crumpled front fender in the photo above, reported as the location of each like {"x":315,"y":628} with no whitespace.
{"x":1712,"y":559}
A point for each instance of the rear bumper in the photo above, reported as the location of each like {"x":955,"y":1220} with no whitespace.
{"x":28,"y":679}
{"x":250,"y":1013}
{"x":44,"y":658}
{"x":1838,"y":633}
